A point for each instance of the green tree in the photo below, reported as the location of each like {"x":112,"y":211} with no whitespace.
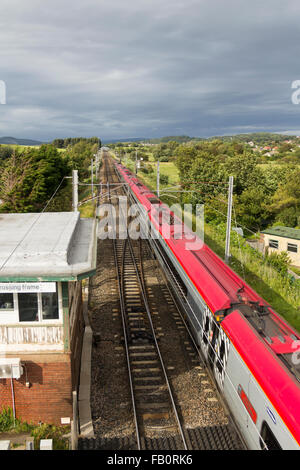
{"x":5,"y":152}
{"x":30,"y":177}
{"x":79,"y":157}
{"x":286,"y":201}
{"x":245,"y":171}
{"x":252,"y":208}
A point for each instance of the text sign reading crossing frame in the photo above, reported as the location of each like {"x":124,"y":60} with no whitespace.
{"x":26,"y":287}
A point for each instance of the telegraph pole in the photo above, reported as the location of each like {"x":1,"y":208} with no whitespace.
{"x":92,"y":176}
{"x":136,"y":167}
{"x":75,"y":190}
{"x":229,"y":213}
{"x":157,"y":178}
{"x":97,"y":155}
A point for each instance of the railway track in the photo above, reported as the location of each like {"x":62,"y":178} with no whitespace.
{"x":157,"y":413}
{"x":152,"y":397}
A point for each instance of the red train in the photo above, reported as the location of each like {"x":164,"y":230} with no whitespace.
{"x":251,"y":350}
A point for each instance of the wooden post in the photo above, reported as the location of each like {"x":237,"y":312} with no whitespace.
{"x":74,"y":423}
{"x":75,"y":190}
{"x":92,"y":176}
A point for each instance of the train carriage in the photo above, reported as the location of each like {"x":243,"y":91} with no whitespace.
{"x":250,"y":349}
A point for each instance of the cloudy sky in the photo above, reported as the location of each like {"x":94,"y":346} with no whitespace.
{"x":148,"y":68}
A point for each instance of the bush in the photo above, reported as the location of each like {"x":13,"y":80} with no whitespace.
{"x":164,"y":179}
{"x":47,"y":431}
{"x":280,"y":261}
{"x":6,"y":419}
{"x":147,"y":169}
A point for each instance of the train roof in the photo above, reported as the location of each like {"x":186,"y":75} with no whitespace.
{"x":225,"y":292}
{"x":203,"y":264}
{"x":266,"y":367}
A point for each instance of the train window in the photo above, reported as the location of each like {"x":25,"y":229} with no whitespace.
{"x":221,"y":356}
{"x":268,"y":438}
{"x":291,"y":361}
{"x":205,"y":331}
{"x":182,"y":289}
{"x":213,"y":339}
{"x":154,"y":200}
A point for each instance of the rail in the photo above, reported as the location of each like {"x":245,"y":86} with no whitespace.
{"x":140,"y":280}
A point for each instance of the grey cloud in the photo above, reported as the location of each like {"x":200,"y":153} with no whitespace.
{"x":148,"y":68}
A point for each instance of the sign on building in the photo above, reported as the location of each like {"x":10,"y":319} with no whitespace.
{"x":26,"y":287}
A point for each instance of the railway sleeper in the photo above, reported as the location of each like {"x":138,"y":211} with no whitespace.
{"x":142,"y":354}
{"x":148,"y":380}
{"x":146,"y":370}
{"x":141,"y":346}
{"x":156,"y":388}
{"x":156,"y":415}
{"x":157,"y":399}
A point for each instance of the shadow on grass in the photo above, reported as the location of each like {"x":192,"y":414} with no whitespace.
{"x":280,"y":305}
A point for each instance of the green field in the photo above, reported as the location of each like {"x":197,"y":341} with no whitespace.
{"x":22,"y":147}
{"x":166,"y":169}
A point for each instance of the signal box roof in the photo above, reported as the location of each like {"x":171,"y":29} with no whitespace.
{"x":46,"y":246}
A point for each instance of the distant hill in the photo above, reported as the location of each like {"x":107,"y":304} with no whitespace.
{"x":175,"y":138}
{"x":15,"y":141}
{"x":257,"y":137}
{"x":158,"y":140}
{"x":114,"y":141}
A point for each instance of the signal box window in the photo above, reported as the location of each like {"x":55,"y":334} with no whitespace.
{"x":38,"y":307}
{"x":268,"y":438}
{"x":6,"y":301}
{"x":273,"y":244}
{"x":28,"y":307}
{"x":50,"y":306}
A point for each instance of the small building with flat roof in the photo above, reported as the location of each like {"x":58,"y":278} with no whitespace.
{"x":278,"y":239}
{"x":43,"y":259}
